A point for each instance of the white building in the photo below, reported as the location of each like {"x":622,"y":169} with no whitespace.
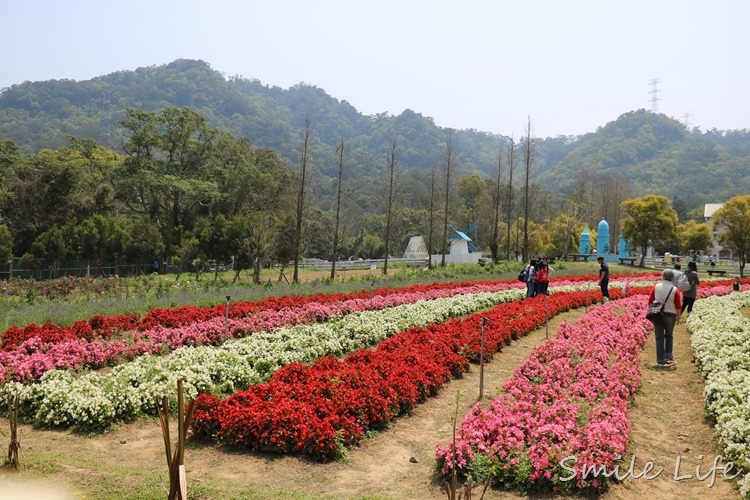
{"x":462,"y":250}
{"x":709,"y":210}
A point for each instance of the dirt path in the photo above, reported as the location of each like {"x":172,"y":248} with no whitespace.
{"x":668,"y":421}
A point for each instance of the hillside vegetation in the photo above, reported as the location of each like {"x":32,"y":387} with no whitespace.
{"x":654,"y":153}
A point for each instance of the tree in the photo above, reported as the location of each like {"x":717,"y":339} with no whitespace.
{"x":528,"y":157}
{"x":99,"y":238}
{"x":509,"y":201}
{"x":537,"y":237}
{"x":563,"y":233}
{"x":252,"y":240}
{"x":649,"y":220}
{"x":233,"y":163}
{"x":43,"y":191}
{"x":167,"y":174}
{"x":145,"y":243}
{"x":496,"y":197}
{"x":56,"y":245}
{"x":8,"y":153}
{"x":694,"y":238}
{"x":575,"y":207}
{"x":448,"y":169}
{"x":302,"y":195}
{"x":474,"y":207}
{"x":390,"y":208}
{"x":734,"y":219}
{"x":213,"y":241}
{"x":336,"y":235}
{"x":6,"y":243}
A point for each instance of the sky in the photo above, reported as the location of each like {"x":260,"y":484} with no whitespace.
{"x":565,"y":67}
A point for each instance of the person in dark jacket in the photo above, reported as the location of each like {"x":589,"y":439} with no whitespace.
{"x":690,"y":295}
{"x":603,"y":278}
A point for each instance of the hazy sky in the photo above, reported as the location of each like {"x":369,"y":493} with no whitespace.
{"x":570,"y":66}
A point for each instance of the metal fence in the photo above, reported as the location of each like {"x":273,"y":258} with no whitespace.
{"x":89,"y":268}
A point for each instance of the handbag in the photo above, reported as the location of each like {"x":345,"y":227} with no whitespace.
{"x":655,"y":311}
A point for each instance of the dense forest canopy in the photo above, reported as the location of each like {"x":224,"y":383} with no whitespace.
{"x":106,"y":146}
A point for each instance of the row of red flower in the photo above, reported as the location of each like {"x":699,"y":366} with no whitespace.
{"x":317,"y":409}
{"x":100,"y":326}
{"x":103,"y":327}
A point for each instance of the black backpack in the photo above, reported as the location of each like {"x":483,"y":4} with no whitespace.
{"x":523,"y":275}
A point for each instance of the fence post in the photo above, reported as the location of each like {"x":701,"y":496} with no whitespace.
{"x":481,"y":360}
{"x":226,"y":316}
{"x":15,"y":445}
{"x":546,"y":316}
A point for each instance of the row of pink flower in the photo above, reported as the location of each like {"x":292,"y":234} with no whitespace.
{"x":104,"y":327}
{"x":34,"y":357}
{"x":564,"y":413}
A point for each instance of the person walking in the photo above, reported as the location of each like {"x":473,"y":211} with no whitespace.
{"x":530,"y":278}
{"x":603,"y":278}
{"x":694,"y":281}
{"x":669,"y":295}
{"x":677,"y":273}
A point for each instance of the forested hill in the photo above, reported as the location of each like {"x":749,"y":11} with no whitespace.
{"x":653,"y":152}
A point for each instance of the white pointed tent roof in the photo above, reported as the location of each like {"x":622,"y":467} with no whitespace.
{"x":416,"y":249}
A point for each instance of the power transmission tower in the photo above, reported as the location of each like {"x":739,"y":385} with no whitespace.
{"x":686,"y":119}
{"x":654,"y":92}
{"x":104,"y":124}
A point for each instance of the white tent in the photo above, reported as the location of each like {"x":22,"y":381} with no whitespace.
{"x":416,"y":249}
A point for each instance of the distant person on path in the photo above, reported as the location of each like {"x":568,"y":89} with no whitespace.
{"x":677,"y":273}
{"x":603,"y":278}
{"x":671,"y":297}
{"x":543,"y":271}
{"x":530,"y":278}
{"x":690,"y":295}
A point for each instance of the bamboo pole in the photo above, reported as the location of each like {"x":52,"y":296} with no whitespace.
{"x":176,"y":455}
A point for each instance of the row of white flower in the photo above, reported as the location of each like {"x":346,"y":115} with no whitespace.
{"x":721,"y":347}
{"x":95,"y":400}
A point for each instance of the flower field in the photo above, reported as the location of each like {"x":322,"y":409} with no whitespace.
{"x":562,"y":421}
{"x":313,"y":374}
{"x":721,"y":346}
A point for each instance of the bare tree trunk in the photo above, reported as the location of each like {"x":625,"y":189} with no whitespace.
{"x":509,"y":200}
{"x":495,"y":236}
{"x":448,"y":174}
{"x":392,"y":161}
{"x":340,"y":151}
{"x":301,"y":199}
{"x":431,"y":221}
{"x":528,"y":154}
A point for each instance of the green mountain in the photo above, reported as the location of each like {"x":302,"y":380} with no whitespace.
{"x":652,"y":152}
{"x":658,"y":155}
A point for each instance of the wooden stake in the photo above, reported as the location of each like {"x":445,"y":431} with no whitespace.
{"x":176,"y":457}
